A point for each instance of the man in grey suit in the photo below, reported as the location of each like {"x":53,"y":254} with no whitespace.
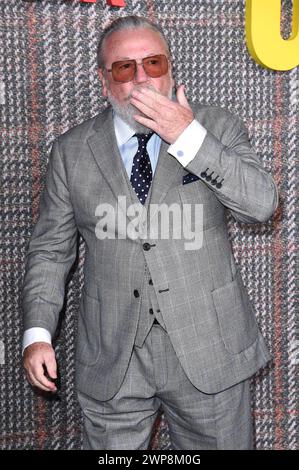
{"x":164,"y":320}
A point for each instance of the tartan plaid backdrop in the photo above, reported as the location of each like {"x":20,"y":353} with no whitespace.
{"x":48,"y":84}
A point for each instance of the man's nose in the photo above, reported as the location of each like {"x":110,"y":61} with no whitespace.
{"x":140,"y":75}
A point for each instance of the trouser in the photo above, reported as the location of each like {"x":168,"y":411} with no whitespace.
{"x":155,"y":378}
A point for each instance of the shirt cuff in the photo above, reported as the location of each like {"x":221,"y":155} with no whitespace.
{"x":34,"y":335}
{"x":188,"y":143}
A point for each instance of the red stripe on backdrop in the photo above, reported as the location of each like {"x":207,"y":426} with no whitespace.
{"x":113,"y":3}
{"x":154,"y":444}
{"x":151,"y":10}
{"x":34,"y":126}
{"x":41,"y":431}
{"x":279,"y":411}
{"x":34,"y":134}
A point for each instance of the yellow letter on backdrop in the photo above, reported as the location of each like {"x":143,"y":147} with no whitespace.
{"x":263,"y":37}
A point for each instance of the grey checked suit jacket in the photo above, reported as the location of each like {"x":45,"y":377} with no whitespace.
{"x":204,"y":304}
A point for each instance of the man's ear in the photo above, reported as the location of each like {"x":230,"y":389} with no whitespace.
{"x":103,"y":81}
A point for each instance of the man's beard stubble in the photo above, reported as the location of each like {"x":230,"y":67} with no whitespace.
{"x":127,"y":111}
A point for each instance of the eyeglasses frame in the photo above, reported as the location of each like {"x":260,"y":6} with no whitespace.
{"x":138,"y":63}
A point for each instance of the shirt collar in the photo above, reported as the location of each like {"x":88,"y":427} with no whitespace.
{"x":123,"y":131}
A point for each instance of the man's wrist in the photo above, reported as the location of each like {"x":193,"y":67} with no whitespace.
{"x":188,"y":143}
{"x":34,"y":335}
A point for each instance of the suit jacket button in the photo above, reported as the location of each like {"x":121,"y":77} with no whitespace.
{"x":146,"y":246}
{"x":209,"y":177}
{"x":150,"y":282}
{"x":151,"y":311}
{"x":203,"y":174}
{"x":136,"y":293}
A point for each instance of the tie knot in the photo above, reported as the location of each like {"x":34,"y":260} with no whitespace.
{"x":143,"y":138}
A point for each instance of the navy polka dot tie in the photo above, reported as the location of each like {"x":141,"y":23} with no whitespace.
{"x":141,"y":175}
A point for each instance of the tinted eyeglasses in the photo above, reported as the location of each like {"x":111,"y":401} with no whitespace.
{"x":125,"y":70}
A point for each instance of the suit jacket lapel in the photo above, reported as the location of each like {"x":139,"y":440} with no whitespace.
{"x":107,"y":156}
{"x":168,"y":173}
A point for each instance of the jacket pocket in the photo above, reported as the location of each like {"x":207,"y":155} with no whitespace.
{"x":237,"y":323}
{"x":190,"y":178}
{"x":88,"y":333}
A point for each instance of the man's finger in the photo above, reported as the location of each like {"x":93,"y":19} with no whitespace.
{"x":153,"y":94}
{"x":151,"y":98}
{"x":39,"y":376}
{"x":146,"y":110}
{"x":37,"y":383}
{"x":181,"y":97}
{"x":51,"y":365}
{"x":146,"y":122}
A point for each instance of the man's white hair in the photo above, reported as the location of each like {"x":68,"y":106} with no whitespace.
{"x":126,"y":22}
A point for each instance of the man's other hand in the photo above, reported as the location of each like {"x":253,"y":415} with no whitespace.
{"x":165,"y":117}
{"x":39,"y":361}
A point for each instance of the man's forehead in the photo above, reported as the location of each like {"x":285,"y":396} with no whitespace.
{"x":124,"y":42}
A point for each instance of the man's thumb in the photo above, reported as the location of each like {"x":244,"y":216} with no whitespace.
{"x":181,"y":97}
